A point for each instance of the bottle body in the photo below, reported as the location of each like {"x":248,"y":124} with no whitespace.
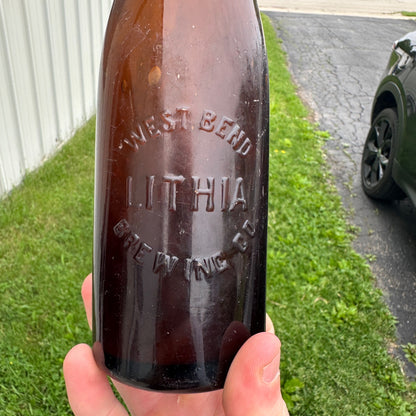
{"x":181,"y":191}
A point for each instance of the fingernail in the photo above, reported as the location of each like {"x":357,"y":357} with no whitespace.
{"x":271,"y":371}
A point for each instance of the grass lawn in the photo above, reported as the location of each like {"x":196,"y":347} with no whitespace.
{"x":333,"y":325}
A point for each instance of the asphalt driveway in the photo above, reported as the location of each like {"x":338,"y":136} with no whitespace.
{"x":337,"y":62}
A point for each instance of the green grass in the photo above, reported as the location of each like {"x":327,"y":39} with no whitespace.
{"x":45,"y":251}
{"x":408,"y":14}
{"x":334,"y":327}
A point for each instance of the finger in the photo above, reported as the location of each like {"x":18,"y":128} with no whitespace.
{"x":252,"y":387}
{"x":88,"y":389}
{"x":86,"y":293}
{"x":269,"y":324}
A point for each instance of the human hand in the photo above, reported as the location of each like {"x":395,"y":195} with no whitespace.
{"x":252,"y":387}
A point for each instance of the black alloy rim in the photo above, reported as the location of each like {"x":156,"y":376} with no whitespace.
{"x":377,"y":152}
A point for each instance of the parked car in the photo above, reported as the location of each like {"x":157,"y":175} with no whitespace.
{"x":388,"y":166}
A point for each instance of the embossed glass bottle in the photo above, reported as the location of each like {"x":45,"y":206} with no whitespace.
{"x":181,"y":191}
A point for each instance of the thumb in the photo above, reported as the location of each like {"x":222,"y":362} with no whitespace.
{"x":252,"y":387}
{"x":88,"y":389}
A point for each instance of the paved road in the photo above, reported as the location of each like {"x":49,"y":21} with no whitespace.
{"x":390,"y":8}
{"x":337,"y":62}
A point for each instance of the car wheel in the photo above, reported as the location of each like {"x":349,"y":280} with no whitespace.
{"x":377,"y":159}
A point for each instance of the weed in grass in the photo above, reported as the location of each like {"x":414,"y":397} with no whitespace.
{"x":291,"y":390}
{"x":410,"y":352}
{"x":371,"y":258}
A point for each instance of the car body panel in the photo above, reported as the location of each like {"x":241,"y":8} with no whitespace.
{"x":397,"y":90}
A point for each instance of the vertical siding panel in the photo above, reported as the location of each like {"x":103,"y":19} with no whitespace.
{"x":49,"y":60}
{"x":87,"y":54}
{"x":95,"y":52}
{"x":54,"y":114}
{"x":11,"y":161}
{"x":42,"y":72}
{"x":62,"y":84}
{"x":97,"y":29}
{"x":80,"y":42}
{"x":36,"y":138}
{"x":22,"y":83}
{"x":100,"y":8}
{"x":74,"y":60}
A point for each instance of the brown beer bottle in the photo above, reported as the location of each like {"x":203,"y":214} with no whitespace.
{"x":181,"y":191}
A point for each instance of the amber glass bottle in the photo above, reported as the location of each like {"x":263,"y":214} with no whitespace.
{"x":181,"y":191}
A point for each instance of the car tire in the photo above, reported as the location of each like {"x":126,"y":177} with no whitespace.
{"x":378,"y":155}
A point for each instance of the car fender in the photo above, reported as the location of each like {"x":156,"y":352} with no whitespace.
{"x":390,"y":94}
